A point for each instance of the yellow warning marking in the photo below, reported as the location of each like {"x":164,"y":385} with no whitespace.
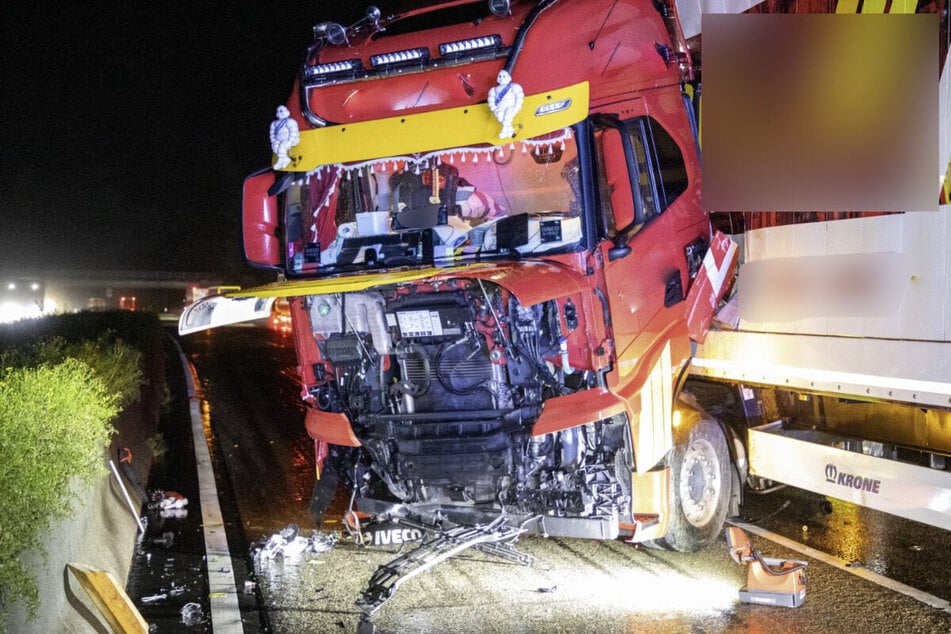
{"x":946,"y":187}
{"x":348,"y":283}
{"x":903,"y":6}
{"x":877,"y":6}
{"x":873,"y":6}
{"x":111,"y":600}
{"x":847,"y":6}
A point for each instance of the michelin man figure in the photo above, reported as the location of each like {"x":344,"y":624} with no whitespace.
{"x":284,"y":135}
{"x":505,"y":101}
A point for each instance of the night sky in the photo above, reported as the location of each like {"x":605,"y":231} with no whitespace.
{"x":127,"y":130}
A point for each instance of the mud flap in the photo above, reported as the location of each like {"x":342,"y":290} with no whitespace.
{"x":651,"y":504}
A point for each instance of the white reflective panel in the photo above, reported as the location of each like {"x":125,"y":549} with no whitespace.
{"x":917,"y":493}
{"x":218,"y":310}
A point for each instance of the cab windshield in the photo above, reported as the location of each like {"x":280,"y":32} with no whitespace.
{"x":483,"y":202}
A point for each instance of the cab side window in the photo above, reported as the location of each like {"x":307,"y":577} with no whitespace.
{"x":671,"y":170}
{"x":642,"y":172}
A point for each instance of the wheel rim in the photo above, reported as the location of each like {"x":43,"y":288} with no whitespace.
{"x":700,"y":483}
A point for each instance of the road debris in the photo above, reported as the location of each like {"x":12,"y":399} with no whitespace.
{"x":191,"y":614}
{"x":289,"y":543}
{"x":125,"y":493}
{"x":322,"y":542}
{"x":168,"y":504}
{"x":778,"y":582}
{"x":494,"y":538}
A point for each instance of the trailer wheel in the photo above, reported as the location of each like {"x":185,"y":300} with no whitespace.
{"x":700,"y":487}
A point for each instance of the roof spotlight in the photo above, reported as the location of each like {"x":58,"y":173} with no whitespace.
{"x":336,"y":34}
{"x":500,"y":7}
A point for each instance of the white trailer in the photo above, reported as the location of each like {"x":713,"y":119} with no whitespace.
{"x":836,"y":356}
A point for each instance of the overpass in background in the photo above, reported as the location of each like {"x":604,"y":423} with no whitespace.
{"x":25,"y":293}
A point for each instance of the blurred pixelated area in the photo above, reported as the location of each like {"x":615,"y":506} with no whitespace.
{"x":813,"y":106}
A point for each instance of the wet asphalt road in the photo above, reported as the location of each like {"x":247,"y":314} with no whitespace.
{"x":265,"y":473}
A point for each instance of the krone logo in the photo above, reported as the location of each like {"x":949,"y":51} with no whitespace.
{"x":831,"y":473}
{"x":852,"y":481}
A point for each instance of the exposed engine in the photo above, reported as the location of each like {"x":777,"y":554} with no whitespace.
{"x":442,"y":387}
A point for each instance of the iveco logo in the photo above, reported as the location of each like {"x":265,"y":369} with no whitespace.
{"x":834,"y":476}
{"x":555,"y":106}
{"x":392,"y":536}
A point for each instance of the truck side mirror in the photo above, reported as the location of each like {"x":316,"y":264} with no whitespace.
{"x":262,"y":248}
{"x":616,"y":253}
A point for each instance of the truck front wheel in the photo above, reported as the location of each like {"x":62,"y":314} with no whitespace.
{"x":700,"y":486}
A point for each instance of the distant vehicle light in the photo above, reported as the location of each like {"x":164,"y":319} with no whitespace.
{"x":400,"y":57}
{"x":474,"y":44}
{"x":15,"y":311}
{"x":11,"y":286}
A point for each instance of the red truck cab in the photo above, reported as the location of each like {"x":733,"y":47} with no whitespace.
{"x":488,"y":224}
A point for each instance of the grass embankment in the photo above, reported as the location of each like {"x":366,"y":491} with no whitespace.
{"x":63,"y":380}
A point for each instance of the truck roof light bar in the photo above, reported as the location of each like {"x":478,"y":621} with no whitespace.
{"x":400,"y":57}
{"x":461,"y":47}
{"x":332,"y":68}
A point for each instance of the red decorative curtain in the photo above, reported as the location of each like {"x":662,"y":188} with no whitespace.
{"x":322,"y":197}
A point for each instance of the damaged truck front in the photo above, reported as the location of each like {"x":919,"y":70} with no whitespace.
{"x":487,"y":221}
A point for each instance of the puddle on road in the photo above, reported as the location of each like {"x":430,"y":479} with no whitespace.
{"x":168,"y":572}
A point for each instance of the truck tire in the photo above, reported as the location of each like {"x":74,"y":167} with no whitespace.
{"x":700,"y":486}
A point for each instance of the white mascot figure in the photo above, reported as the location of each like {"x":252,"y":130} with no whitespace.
{"x":505,"y":101}
{"x":284,"y":135}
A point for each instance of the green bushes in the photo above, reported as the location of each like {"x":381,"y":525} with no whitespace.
{"x":57,"y":401}
{"x":113,"y":362}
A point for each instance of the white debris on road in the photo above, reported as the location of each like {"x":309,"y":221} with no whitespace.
{"x":289,"y":543}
